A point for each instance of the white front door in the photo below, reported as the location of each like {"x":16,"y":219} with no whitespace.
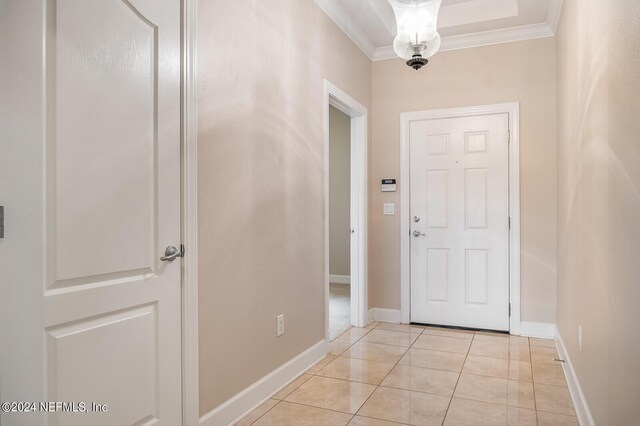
{"x":459,"y":193}
{"x":112,"y":308}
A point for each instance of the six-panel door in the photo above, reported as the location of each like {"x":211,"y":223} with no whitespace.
{"x":459,"y":221}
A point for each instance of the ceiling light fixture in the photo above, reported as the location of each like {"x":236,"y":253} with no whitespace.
{"x":417,"y":35}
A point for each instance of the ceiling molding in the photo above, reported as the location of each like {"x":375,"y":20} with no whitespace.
{"x":484,"y":38}
{"x":464,"y":41}
{"x":343,"y":20}
{"x":553,"y":14}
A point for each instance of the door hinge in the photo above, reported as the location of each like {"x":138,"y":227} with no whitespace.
{"x":509,"y":309}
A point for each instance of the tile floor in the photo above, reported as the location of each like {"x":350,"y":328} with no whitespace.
{"x":392,"y":374}
{"x":339,"y":309}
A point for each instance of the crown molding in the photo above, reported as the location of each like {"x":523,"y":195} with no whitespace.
{"x":484,"y":38}
{"x":553,"y":14}
{"x":343,"y":20}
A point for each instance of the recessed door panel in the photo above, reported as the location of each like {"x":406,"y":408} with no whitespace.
{"x":109,"y":350}
{"x":104,"y":128}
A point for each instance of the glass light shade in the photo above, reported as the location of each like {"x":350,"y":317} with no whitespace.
{"x":417,"y":32}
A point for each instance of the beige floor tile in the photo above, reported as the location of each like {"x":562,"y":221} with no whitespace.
{"x":488,"y":336}
{"x":549,"y":343}
{"x":286,"y":391}
{"x":320,"y":364}
{"x":422,"y":379}
{"x":357,"y":370}
{"x":519,"y":340}
{"x":337,"y":347}
{"x":490,"y":348}
{"x":521,"y":395}
{"x":441,"y":343}
{"x":437,"y":360}
{"x":520,"y":370}
{"x":551,"y":419}
{"x":482,"y":388}
{"x":353,"y":334}
{"x":519,"y":352}
{"x":404,"y":406}
{"x":387,"y":337}
{"x":449,"y":332}
{"x":287,"y":414}
{"x":332,"y":394}
{"x":257,"y":413}
{"x":543,"y":354}
{"x":373,"y":324}
{"x":376,"y":352}
{"x":521,"y":417}
{"x":463,"y":412}
{"x":486,"y":366}
{"x":549,"y":374}
{"x":554,"y":399}
{"x":405,"y":328}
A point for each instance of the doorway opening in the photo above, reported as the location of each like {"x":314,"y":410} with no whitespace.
{"x":339,"y":222}
{"x":345,"y":266}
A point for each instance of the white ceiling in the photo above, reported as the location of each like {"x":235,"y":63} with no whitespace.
{"x":461,"y":23}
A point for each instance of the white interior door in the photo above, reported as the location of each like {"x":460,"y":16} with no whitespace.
{"x":459,"y":193}
{"x":112,"y":308}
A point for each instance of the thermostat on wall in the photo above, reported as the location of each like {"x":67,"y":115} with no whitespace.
{"x":388,"y":185}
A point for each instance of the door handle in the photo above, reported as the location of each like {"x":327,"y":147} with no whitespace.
{"x":171,"y":253}
{"x":418,"y":234}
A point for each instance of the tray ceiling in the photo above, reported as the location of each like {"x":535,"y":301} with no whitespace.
{"x":461,"y":23}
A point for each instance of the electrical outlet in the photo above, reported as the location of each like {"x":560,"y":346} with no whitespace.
{"x":580,"y":337}
{"x":279,"y":325}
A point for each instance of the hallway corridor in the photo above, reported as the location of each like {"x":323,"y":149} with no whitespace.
{"x":390,"y":374}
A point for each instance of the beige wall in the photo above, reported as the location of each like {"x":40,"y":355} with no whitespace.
{"x":339,"y":192}
{"x":599,"y":202}
{"x":524,"y":72}
{"x":261,"y":66}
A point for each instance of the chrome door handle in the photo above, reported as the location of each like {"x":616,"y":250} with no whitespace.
{"x":171,"y":253}
{"x":418,"y":234}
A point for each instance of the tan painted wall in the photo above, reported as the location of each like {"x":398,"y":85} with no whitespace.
{"x":599,"y":202}
{"x":339,"y":192}
{"x":524,"y":72}
{"x":261,"y":66}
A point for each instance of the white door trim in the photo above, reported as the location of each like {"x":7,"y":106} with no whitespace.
{"x":513,"y":110}
{"x":335,"y":97}
{"x":190,"y":386}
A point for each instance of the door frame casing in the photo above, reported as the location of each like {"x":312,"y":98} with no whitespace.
{"x":189,"y":163}
{"x":335,"y":97}
{"x":513,"y":111}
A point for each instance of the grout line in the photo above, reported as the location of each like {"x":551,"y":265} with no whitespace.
{"x":446,"y":413}
{"x":387,"y":375}
{"x":263,"y":414}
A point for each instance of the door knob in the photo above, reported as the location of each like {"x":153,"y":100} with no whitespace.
{"x":418,"y":234}
{"x":171,"y":253}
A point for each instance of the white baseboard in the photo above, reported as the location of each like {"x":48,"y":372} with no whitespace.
{"x":386,"y":315}
{"x":244,"y":402}
{"x":544,"y":330}
{"x":340,"y":279}
{"x":579,"y":401}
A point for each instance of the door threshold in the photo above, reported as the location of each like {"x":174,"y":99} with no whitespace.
{"x":455,"y":327}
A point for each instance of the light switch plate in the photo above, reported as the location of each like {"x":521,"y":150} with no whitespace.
{"x":389,"y":209}
{"x":279,"y":325}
